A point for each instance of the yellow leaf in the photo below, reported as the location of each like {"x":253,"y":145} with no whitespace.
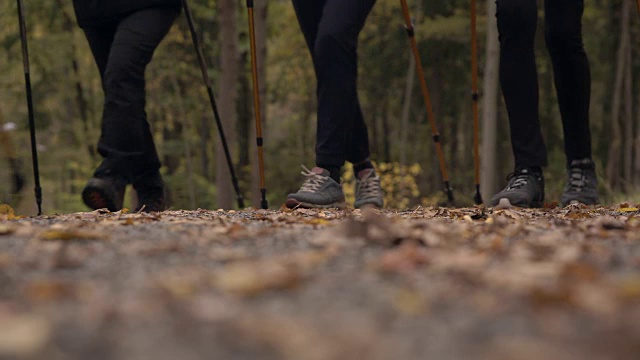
{"x":69,"y":234}
{"x":7,"y":211}
{"x":628,"y":209}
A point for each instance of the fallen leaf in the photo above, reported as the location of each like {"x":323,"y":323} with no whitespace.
{"x":252,"y":278}
{"x":6,"y":229}
{"x":70,"y":234}
{"x":23,"y":336}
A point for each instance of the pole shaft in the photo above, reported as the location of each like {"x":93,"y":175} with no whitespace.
{"x":427,"y":98}
{"x":212,"y":101}
{"x":29,"y":94}
{"x":475,"y":97}
{"x":256,"y":102}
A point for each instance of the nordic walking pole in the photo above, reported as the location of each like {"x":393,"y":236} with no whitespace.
{"x":256,"y":104}
{"x":475,"y":96}
{"x":32,"y":124}
{"x":212,"y":100}
{"x":427,"y":100}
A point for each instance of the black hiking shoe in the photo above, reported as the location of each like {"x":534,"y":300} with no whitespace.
{"x":150,"y":190}
{"x":105,"y":192}
{"x":582,"y":183}
{"x":525,"y":189}
{"x":319,"y":190}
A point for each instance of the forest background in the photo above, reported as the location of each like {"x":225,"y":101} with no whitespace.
{"x":68,"y":102}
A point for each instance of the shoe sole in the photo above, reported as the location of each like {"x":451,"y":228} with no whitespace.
{"x":96,"y":199}
{"x":504,"y":203}
{"x":295,"y":204}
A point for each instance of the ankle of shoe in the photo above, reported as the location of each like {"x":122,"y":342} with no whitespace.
{"x":535,"y":170}
{"x":586,"y":163}
{"x":363,"y":165}
{"x":149,"y":180}
{"x":334,"y":171}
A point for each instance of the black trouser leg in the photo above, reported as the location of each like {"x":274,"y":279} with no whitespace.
{"x":563,"y":35}
{"x":517,"y":22}
{"x":122,"y":52}
{"x":331,"y":29}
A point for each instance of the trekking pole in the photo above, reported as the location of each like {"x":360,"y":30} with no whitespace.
{"x":32,"y":124}
{"x":475,"y":96}
{"x":427,"y":100}
{"x":256,"y":104}
{"x":212,"y":100}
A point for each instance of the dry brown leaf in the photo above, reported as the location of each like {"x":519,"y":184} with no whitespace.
{"x":23,"y":336}
{"x":410,"y":302}
{"x":253,"y":278}
{"x":6,"y":229}
{"x":403,"y":259}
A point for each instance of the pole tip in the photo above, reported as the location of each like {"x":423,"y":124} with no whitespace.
{"x":478,"y":197}
{"x":264,"y":204}
{"x":449,"y":191}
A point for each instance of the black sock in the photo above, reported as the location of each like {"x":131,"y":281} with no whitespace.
{"x":362,"y":166}
{"x":334,"y":171}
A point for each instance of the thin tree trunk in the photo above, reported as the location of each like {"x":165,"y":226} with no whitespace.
{"x":81,"y":101}
{"x":613,"y":163}
{"x":488,"y":170}
{"x":228,"y":96}
{"x":628,"y":124}
{"x":408,"y":94}
{"x":636,"y":166}
{"x":185,"y":142}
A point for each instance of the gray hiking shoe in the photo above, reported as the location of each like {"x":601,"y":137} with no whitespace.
{"x":525,"y":189}
{"x":319,"y":190}
{"x":582,"y":183}
{"x":368,"y":191}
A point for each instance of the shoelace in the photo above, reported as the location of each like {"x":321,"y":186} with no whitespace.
{"x":313,"y":181}
{"x":577,"y":179}
{"x":369,"y":186}
{"x":519,"y":180}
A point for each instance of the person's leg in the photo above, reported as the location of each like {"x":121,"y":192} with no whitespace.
{"x":106,"y":188}
{"x":341,"y":132}
{"x":517,"y":22}
{"x":309,"y":13}
{"x":331,"y":29}
{"x":563,"y":35}
{"x":100,"y":40}
{"x":126,"y":141}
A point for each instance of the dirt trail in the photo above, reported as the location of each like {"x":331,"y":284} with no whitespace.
{"x":432,"y":283}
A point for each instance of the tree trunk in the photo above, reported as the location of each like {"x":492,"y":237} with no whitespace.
{"x":490,"y":88}
{"x":636,"y":165}
{"x":228,"y":96}
{"x":613,"y":163}
{"x":628,"y":125}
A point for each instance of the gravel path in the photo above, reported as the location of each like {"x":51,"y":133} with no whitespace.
{"x":432,"y":283}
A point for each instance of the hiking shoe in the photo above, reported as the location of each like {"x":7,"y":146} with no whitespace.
{"x":368,"y":191}
{"x":318,"y":190}
{"x":105,"y":192}
{"x":525,"y":189}
{"x":150,"y":190}
{"x":582,"y":183}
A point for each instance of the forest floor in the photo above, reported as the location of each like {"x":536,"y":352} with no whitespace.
{"x":431,"y":283}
